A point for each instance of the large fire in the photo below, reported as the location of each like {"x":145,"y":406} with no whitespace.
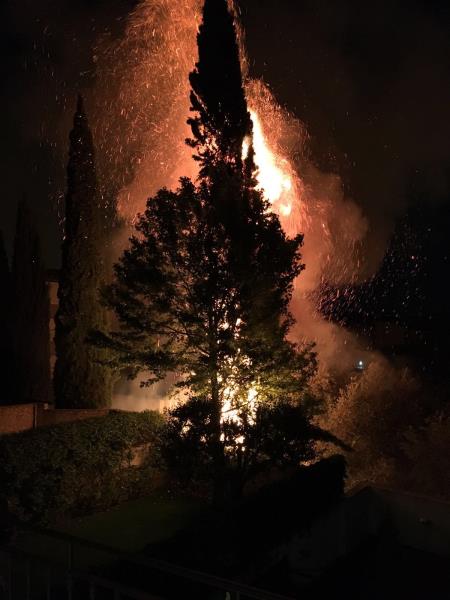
{"x":143,"y":128}
{"x":142,"y":99}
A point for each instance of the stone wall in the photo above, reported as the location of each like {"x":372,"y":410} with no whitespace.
{"x":18,"y":417}
{"x":53,"y":416}
{"x":21,"y":417}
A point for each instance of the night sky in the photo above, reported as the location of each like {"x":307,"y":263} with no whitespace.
{"x":371,"y":81}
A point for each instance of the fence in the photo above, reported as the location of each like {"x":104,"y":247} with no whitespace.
{"x":28,"y":571}
{"x":27,"y":577}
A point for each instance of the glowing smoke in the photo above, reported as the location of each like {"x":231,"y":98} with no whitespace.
{"x":142,"y":100}
{"x":310,"y":202}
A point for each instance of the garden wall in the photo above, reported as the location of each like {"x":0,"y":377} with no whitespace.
{"x":18,"y":417}
{"x":22,"y":417}
{"x":53,"y":416}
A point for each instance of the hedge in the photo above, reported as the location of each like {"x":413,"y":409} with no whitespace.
{"x":72,"y":469}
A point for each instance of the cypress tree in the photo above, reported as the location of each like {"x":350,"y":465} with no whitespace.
{"x":5,"y":325}
{"x":222,"y":121}
{"x":80,"y":380}
{"x":31,"y":313}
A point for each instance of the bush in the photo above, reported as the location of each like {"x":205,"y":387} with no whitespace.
{"x":372,"y":415}
{"x":398,"y":428}
{"x":273,"y":436}
{"x":74,"y":468}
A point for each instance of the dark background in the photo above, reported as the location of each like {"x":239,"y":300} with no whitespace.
{"x":371,"y":81}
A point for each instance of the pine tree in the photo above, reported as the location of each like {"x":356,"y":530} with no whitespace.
{"x":5,"y":326}
{"x":31,"y":313}
{"x":204,"y":288}
{"x":80,"y":380}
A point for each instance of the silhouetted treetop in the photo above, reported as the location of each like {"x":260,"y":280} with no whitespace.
{"x":81,"y":175}
{"x":217,"y":89}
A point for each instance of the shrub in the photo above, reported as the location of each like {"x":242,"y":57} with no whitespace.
{"x":372,"y":415}
{"x":273,"y":436}
{"x":74,"y":468}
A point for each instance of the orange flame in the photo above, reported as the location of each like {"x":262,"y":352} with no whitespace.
{"x":273,"y":173}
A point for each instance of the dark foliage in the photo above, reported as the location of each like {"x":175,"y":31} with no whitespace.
{"x":79,"y":379}
{"x":277,"y":436}
{"x":186,"y":302}
{"x":75,"y":468}
{"x":30,"y":314}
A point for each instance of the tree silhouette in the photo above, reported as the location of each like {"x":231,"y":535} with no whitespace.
{"x":278,"y":435}
{"x":222,"y":120}
{"x":79,"y":378}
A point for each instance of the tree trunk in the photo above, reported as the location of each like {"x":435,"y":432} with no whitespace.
{"x":219,"y":493}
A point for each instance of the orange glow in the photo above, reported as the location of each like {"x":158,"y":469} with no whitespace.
{"x":143,"y":126}
{"x":273,"y":173}
{"x":140,"y":111}
{"x":149,"y":69}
